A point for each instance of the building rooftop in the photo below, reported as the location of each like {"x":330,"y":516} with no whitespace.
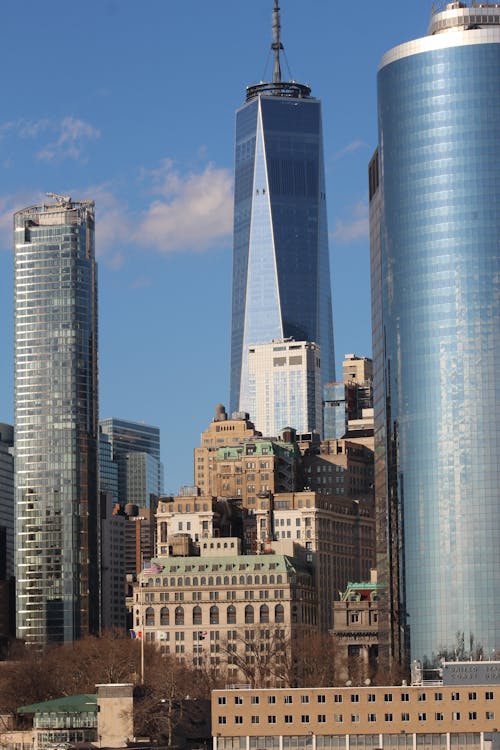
{"x":71,"y":704}
{"x":263,"y":563}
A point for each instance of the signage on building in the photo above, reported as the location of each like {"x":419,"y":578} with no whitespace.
{"x":471,"y":673}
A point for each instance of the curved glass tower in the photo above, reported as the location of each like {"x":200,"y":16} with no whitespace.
{"x":281,"y":267}
{"x":436,"y":303}
{"x":56,"y":422}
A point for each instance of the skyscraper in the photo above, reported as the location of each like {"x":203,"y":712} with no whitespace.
{"x":435,"y":229}
{"x":128,"y":437}
{"x":284,"y":386}
{"x":281,"y":267}
{"x":56,"y":422}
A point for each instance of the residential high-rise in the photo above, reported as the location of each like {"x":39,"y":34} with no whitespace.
{"x":435,"y":233}
{"x":128,"y":437}
{"x":281,"y":268}
{"x":56,"y":422}
{"x":284,"y":386}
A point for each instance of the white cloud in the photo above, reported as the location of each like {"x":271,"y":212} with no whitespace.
{"x":9,"y":204}
{"x":354,"y":227}
{"x":350,"y":148}
{"x":72,"y":135}
{"x":193,"y":213}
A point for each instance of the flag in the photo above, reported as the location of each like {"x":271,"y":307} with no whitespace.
{"x":135,"y":633}
{"x":152,"y":568}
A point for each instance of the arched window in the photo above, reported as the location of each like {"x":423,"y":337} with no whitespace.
{"x":195,"y":581}
{"x":197,"y":615}
{"x":188,"y":581}
{"x":165,"y":582}
{"x":249,"y":614}
{"x":257,"y":579}
{"x":164,"y":616}
{"x":295,"y":613}
{"x":249,"y":580}
{"x":214,"y":615}
{"x":279,"y":579}
{"x":279,"y":613}
{"x":234,"y":580}
{"x":218,"y":581}
{"x":203,"y":581}
{"x":179,"y":581}
{"x":179,"y":616}
{"x":242,"y":580}
{"x":157,"y":581}
{"x":150,"y":616}
{"x":210,"y":580}
{"x":226,"y":580}
{"x":231,"y":615}
{"x":264,"y":613}
{"x":264,"y":579}
{"x":150,"y":582}
{"x":172,"y":582}
{"x":271,"y":579}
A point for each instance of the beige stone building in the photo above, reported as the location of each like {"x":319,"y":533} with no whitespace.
{"x":237,"y":615}
{"x":403,"y":718}
{"x":355,"y":631}
{"x":340,"y":467}
{"x":221,"y":432}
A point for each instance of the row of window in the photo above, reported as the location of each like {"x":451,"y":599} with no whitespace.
{"x":354,"y":697}
{"x":214,"y":615}
{"x":217,"y":581}
{"x":355,"y":718}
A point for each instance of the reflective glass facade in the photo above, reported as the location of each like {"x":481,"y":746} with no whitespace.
{"x":281,"y":272}
{"x":56,"y":422}
{"x":436,"y":287}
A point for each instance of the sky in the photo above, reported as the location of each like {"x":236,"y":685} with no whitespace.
{"x":132,"y":104}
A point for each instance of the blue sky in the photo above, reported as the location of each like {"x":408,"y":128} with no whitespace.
{"x":132,"y":103}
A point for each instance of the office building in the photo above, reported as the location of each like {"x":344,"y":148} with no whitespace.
{"x":281,"y":273}
{"x":7,"y":609}
{"x":348,"y":406}
{"x":56,"y":422}
{"x":434,"y":189}
{"x":128,"y":437}
{"x":284,"y":387}
{"x":113,"y":572}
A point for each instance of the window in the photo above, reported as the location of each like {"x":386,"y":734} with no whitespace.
{"x":490,"y":715}
{"x":321,"y":718}
{"x":255,"y":719}
{"x":422,"y":716}
{"x":264,"y":613}
{"x":337,"y":698}
{"x":238,"y":719}
{"x":279,"y":613}
{"x":422,"y":697}
{"x":388,"y":697}
{"x":455,"y":715}
{"x":249,"y":616}
{"x":338,"y":718}
{"x":372,"y":717}
{"x":288,"y":699}
{"x":321,"y":698}
{"x":405,"y":697}
{"x":438,"y":696}
{"x":354,"y":698}
{"x":405,"y":717}
{"x":222,"y":700}
{"x":214,"y":615}
{"x":150,"y":616}
{"x":179,"y":616}
{"x":472,"y":696}
{"x":438,"y":716}
{"x":488,"y":695}
{"x":371,"y":697}
{"x":455,"y":696}
{"x":305,"y":718}
{"x":387,"y":717}
{"x":271,"y":719}
{"x":197,"y":615}
{"x":304,"y":699}
{"x":222,"y":720}
{"x":472,"y":715}
{"x":271,"y":699}
{"x":255,"y":700}
{"x":164,"y":616}
{"x":288,"y":719}
{"x":238,"y":700}
{"x":231,"y":615}
{"x":355,"y":718}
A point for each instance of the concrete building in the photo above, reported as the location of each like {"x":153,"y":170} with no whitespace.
{"x":7,"y":589}
{"x":284,"y":386}
{"x":396,"y":717}
{"x":281,"y":272}
{"x":56,"y":422}
{"x":340,"y":467}
{"x":113,"y":570}
{"x":434,"y":188}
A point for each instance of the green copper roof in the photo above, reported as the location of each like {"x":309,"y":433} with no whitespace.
{"x":364,"y":586}
{"x":226,"y":564}
{"x":72,"y":704}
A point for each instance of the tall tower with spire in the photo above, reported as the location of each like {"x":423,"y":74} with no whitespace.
{"x":281,"y":267}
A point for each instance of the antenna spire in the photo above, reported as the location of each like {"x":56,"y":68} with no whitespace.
{"x":276,"y":46}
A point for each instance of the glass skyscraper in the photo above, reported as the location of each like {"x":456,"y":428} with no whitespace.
{"x":435,"y":234}
{"x":56,"y":422}
{"x":281,"y":267}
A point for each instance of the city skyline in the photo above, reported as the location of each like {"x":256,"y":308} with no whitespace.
{"x":93,"y":143}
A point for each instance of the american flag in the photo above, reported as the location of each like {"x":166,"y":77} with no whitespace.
{"x":152,"y":568}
